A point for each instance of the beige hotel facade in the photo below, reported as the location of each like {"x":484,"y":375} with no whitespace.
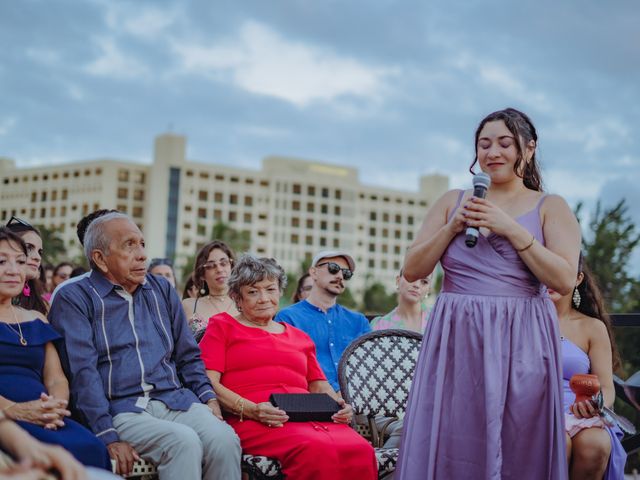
{"x":291,"y":207}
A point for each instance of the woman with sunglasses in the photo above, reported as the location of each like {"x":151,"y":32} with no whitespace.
{"x":212,"y":269}
{"x":31,"y":296}
{"x":34,"y":391}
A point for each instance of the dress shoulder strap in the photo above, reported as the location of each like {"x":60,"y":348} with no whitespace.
{"x":540,"y":200}
{"x":195,"y":305}
{"x":460,"y":195}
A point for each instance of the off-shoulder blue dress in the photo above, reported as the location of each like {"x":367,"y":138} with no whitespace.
{"x":21,"y":370}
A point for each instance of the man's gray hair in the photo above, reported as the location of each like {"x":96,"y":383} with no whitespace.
{"x":97,"y":236}
{"x":249,"y":270}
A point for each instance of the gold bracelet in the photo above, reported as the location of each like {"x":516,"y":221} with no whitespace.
{"x":533,"y":240}
{"x":238,"y":408}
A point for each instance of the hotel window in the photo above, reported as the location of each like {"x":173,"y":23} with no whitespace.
{"x":53,"y":211}
{"x":310,"y":207}
{"x":98,"y":173}
{"x":55,"y":175}
{"x":54,"y":195}
{"x":323,"y":225}
{"x":217,"y":215}
{"x":264,"y":183}
{"x":233,"y":216}
{"x":203,"y":195}
{"x":337,"y":210}
{"x":295,"y":222}
{"x":43,"y":212}
{"x":324,"y":208}
{"x":325,"y":192}
{"x":123,"y":175}
{"x":411,"y":202}
{"x":204,"y":175}
{"x":140,"y":177}
{"x":398,"y":218}
{"x":384,"y":264}
{"x":202,"y":213}
{"x":138,"y":195}
{"x":187,"y":208}
{"x":248,"y":181}
{"x":371,"y":263}
{"x":336,"y":226}
{"x":398,"y":234}
{"x":34,"y":196}
{"x":309,"y":240}
{"x":294,"y":238}
{"x":396,"y":249}
{"x":123,"y":193}
{"x":372,"y":247}
{"x":385,"y":217}
{"x":373,"y":216}
{"x":409,"y":235}
{"x":372,"y":231}
{"x":309,"y":223}
{"x":295,"y":206}
{"x":323,"y":242}
{"x":65,"y":174}
{"x":311,"y":190}
{"x":137,"y":212}
{"x":189,"y":173}
{"x":297,"y":189}
{"x":336,"y":243}
{"x":338,"y":194}
{"x":43,"y":196}
{"x":410,"y":219}
{"x":385,"y":248}
{"x":234,"y":179}
{"x":247,"y":218}
{"x":63,"y":210}
{"x":87,"y":173}
{"x":217,"y":197}
{"x":396,"y":265}
{"x":220,"y":178}
{"x":385,"y":233}
{"x":248,"y":201}
{"x":233,"y":199}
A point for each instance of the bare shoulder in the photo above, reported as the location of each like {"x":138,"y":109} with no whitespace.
{"x":27,"y":315}
{"x":593,"y":327}
{"x":553,"y":203}
{"x":188,"y":302}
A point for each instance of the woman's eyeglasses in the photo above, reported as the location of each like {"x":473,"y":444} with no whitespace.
{"x":334,"y":268}
{"x":212,"y":265}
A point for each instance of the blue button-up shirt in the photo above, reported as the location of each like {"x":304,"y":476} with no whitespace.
{"x":332,"y":332}
{"x":122,"y":350}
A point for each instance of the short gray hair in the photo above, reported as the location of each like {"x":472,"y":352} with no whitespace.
{"x":249,"y":270}
{"x":97,"y":236}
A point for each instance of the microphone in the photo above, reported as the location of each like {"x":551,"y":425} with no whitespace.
{"x":481,"y":182}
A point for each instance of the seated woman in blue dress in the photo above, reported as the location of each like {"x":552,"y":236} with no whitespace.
{"x":593,"y":447}
{"x":33,"y":389}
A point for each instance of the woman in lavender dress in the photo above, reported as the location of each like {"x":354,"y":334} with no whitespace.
{"x":486,"y":401}
{"x":594,"y":449}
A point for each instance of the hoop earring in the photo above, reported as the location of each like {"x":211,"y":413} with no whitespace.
{"x":576,"y":299}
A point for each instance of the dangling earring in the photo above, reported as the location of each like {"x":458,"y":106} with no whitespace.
{"x":202,"y":290}
{"x":26,"y":290}
{"x":576,"y":298}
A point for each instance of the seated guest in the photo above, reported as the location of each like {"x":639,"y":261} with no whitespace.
{"x":250,"y":357}
{"x":33,"y":389}
{"x":135,"y":369}
{"x":210,"y":274}
{"x":61,"y":273}
{"x":34,"y":460}
{"x":331,"y":326}
{"x":411,"y":312}
{"x":164,"y":268}
{"x":31,"y":296}
{"x":303,"y":288}
{"x":190,"y":289}
{"x":593,"y":448}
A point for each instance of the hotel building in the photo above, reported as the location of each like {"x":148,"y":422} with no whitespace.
{"x":291,"y":207}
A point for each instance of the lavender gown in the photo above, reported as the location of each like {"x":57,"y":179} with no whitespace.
{"x":486,"y":400}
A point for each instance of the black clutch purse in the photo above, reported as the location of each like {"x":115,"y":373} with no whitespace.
{"x":305,"y":407}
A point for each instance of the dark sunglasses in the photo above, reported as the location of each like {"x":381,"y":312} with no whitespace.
{"x":17,"y":224}
{"x":334,"y":268}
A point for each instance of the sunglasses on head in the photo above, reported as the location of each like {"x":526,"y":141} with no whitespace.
{"x":333,"y":268}
{"x":17,"y":224}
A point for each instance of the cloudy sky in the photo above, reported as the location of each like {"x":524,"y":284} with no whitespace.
{"x":394,"y":88}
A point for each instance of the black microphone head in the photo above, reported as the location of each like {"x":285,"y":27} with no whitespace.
{"x":481,"y":180}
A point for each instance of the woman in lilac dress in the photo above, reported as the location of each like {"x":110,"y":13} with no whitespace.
{"x":593,"y":448}
{"x":486,"y":400}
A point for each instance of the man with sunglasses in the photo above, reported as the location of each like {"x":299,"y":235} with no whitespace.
{"x":331,"y":326}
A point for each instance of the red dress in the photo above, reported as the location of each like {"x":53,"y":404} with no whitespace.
{"x":255,"y":364}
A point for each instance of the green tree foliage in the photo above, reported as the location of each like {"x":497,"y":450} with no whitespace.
{"x":53,"y":246}
{"x":346,"y":299}
{"x":376,"y":300}
{"x":608,"y":249}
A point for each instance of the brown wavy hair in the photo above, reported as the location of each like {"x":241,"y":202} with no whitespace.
{"x":522,"y":128}
{"x":592,"y":305}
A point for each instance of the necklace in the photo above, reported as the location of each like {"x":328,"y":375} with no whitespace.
{"x":18,"y":332}
{"x":224,"y":307}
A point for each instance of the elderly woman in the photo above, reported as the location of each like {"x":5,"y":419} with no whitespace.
{"x":250,"y":357}
{"x":33,"y":389}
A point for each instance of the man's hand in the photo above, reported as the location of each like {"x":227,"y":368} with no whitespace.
{"x":214,"y":406}
{"x":124,"y":455}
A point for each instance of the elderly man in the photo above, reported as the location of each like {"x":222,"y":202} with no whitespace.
{"x":134,"y":367}
{"x":331,"y":326}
